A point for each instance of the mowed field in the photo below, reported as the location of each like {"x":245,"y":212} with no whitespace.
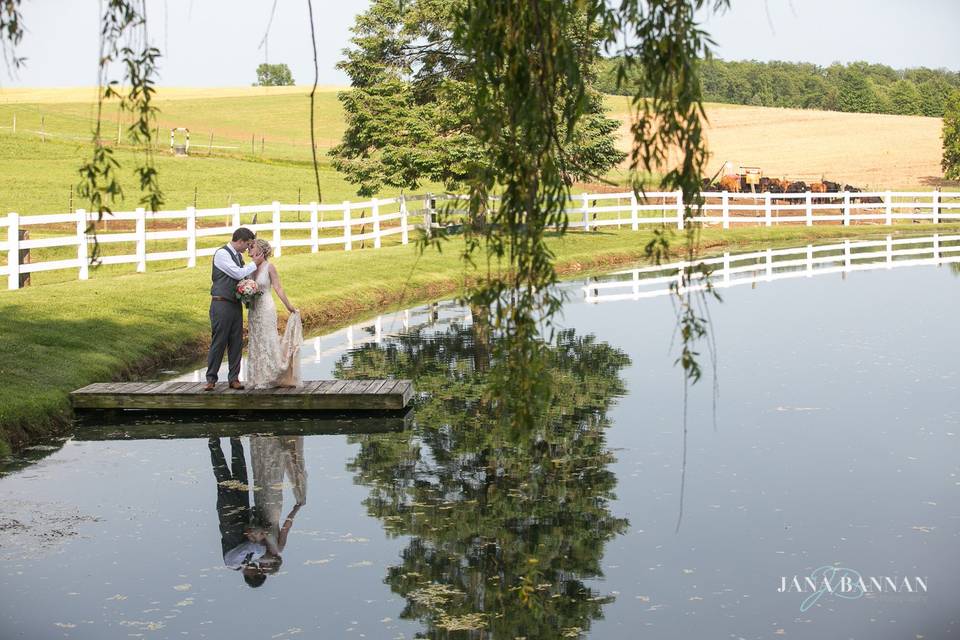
{"x":252,"y":145}
{"x":867,"y":150}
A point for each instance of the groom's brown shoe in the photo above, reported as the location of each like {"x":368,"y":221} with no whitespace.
{"x":209,"y":386}
{"x":236,"y":385}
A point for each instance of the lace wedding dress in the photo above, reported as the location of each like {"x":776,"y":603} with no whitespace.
{"x":271,"y":361}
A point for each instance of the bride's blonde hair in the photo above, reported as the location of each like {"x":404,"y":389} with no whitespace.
{"x":264,"y":247}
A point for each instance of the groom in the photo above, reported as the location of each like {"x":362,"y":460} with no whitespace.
{"x":226,"y":312}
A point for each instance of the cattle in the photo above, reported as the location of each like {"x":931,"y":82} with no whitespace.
{"x":730,"y":183}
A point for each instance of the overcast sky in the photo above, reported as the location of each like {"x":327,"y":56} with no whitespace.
{"x":216,"y":42}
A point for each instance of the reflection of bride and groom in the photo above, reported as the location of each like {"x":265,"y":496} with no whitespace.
{"x":253,"y":538}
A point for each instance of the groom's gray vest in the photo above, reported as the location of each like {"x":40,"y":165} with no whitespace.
{"x":223,"y":285}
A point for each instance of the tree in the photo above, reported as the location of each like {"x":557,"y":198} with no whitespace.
{"x":409,"y":111}
{"x":905,"y":98}
{"x":856,"y":93}
{"x":951,"y":137}
{"x":274,"y":75}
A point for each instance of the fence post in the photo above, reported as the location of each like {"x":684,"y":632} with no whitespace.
{"x":726,"y":210}
{"x":277,"y":250}
{"x":847,"y":258}
{"x":888,"y":202}
{"x":13,"y":251}
{"x":634,"y":213}
{"x":429,"y":211}
{"x":191,"y":237}
{"x":809,"y":198}
{"x":846,"y":208}
{"x":680,"y":210}
{"x":314,"y":229}
{"x":141,"y":240}
{"x":726,"y":268}
{"x":769,"y":265}
{"x":936,"y":246}
{"x":889,"y":252}
{"x":809,"y":260}
{"x":404,"y":236}
{"x":346,"y":226}
{"x":236,"y":215}
{"x":936,"y":207}
{"x":376,"y":224}
{"x":83,"y":256}
{"x":767,"y":209}
{"x":586,"y":214}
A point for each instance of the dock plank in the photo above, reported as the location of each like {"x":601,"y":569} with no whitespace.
{"x":312,"y":395}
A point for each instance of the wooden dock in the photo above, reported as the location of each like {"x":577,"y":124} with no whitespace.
{"x":313,"y":395}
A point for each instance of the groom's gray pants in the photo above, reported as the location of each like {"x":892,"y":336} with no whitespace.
{"x":226,"y":323}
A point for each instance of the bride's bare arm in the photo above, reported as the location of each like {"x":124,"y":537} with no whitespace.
{"x":275,"y":280}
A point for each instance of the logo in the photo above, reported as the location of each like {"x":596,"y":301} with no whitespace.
{"x":848,"y":584}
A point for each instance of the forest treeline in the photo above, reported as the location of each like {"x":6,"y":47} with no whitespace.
{"x":856,"y":87}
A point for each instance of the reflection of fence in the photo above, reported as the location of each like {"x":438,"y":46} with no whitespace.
{"x":347,"y":224}
{"x":778,"y":264}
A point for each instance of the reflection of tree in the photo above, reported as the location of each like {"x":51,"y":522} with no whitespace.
{"x":506,"y":524}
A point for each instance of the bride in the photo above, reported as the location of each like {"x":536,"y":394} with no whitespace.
{"x":271,"y":361}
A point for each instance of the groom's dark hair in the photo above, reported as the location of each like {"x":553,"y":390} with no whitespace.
{"x":243,"y":234}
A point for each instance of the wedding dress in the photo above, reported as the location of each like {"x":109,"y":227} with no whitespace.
{"x":271,"y":361}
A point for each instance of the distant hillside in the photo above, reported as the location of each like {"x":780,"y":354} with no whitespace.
{"x":858,"y":87}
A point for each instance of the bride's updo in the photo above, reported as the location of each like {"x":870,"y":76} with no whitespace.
{"x":264,"y":247}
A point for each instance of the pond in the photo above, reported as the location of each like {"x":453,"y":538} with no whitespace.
{"x":834,"y":442}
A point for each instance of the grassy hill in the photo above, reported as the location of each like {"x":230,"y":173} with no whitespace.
{"x":36,"y":173}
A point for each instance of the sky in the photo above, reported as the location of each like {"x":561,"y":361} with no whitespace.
{"x":218,"y":42}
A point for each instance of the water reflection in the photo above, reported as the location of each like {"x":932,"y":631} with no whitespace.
{"x":252,"y":538}
{"x":506,"y":525}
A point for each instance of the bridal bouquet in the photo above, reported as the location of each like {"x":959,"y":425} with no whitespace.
{"x":247,"y":292}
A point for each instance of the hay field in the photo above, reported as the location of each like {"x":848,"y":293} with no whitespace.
{"x":875,"y":151}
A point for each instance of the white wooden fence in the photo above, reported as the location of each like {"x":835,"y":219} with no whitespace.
{"x":336,"y":224}
{"x":731,"y":270}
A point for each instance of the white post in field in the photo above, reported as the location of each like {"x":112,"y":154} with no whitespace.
{"x":276,"y":229}
{"x":634,"y":212}
{"x":936,"y":246}
{"x":846,"y":208}
{"x":680,"y":210}
{"x":346,"y":226}
{"x":83,"y":257}
{"x":809,"y":197}
{"x":889,"y":252}
{"x":376,"y":224}
{"x":809,"y":260}
{"x":847,"y":258}
{"x":191,"y":237}
{"x":586,"y":213}
{"x":769,"y":265}
{"x":404,"y":235}
{"x":13,"y":251}
{"x":888,"y":203}
{"x":936,"y":207}
{"x":726,"y":210}
{"x":726,"y":268}
{"x":767,"y":209}
{"x":141,"y":240}
{"x":314,"y":229}
{"x":235,"y":215}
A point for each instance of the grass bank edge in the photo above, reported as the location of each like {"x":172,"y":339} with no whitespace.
{"x":61,"y":337}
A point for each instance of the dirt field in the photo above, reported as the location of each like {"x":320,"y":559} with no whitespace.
{"x":867,"y":150}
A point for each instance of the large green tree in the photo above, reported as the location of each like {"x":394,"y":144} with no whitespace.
{"x":409,"y":111}
{"x":274,"y":75}
{"x":951,"y":137}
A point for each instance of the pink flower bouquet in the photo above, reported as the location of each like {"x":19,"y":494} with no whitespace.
{"x":247,"y":292}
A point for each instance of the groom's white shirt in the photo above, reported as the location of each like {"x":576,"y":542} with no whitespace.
{"x":224,"y":262}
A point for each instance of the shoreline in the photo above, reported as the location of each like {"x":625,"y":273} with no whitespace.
{"x":577,"y":255}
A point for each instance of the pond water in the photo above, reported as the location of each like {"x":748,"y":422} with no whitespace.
{"x":835,"y":441}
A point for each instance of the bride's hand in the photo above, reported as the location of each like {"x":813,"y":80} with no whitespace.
{"x":294,"y":311}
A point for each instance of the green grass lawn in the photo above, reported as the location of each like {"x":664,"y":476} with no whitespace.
{"x":62,"y":336}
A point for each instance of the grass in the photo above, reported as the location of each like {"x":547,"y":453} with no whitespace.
{"x":60,"y":337}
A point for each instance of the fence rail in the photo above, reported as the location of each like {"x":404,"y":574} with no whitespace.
{"x":337,"y":224}
{"x":731,"y":270}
